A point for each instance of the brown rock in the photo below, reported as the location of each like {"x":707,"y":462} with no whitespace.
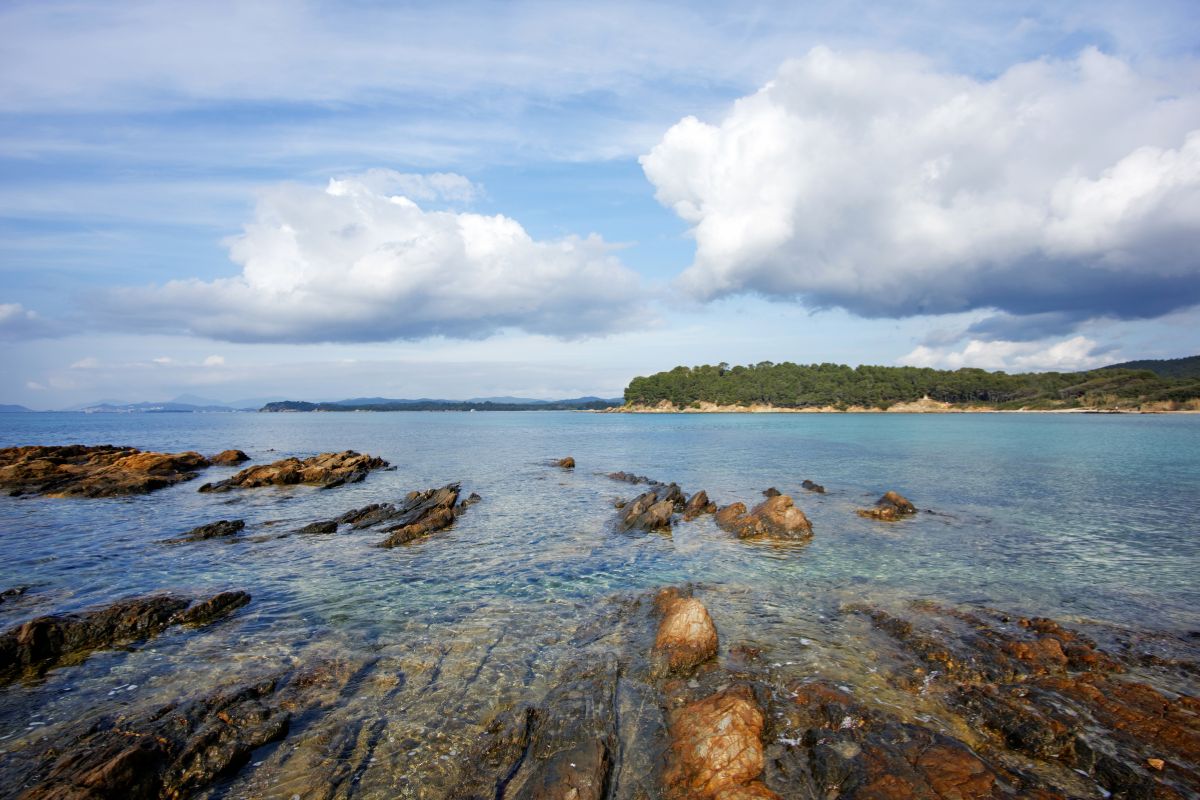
{"x":772,"y":492}
{"x":326,"y":470}
{"x":812,"y":487}
{"x":100,"y":471}
{"x":650,"y":511}
{"x":698,"y":504}
{"x":775,"y":518}
{"x":229,"y":458}
{"x":686,"y":634}
{"x":565,"y":463}
{"x":223,"y":528}
{"x":890,"y":507}
{"x":423,"y":513}
{"x":715,"y":745}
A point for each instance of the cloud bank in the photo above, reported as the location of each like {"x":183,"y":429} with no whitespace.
{"x":1067,"y":355}
{"x":876,"y":183}
{"x":353,"y":263}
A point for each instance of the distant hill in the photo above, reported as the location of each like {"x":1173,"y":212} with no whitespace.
{"x":838,"y":386}
{"x":1188,"y":367}
{"x":385,"y":404}
{"x":11,"y":409}
{"x":151,"y":408}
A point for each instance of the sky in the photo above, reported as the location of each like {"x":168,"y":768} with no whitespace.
{"x":316,"y":201}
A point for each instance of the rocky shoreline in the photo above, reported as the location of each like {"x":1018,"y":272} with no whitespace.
{"x":922,"y":406}
{"x":647,"y":695}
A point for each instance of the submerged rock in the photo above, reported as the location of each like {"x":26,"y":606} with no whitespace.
{"x":41,"y":643}
{"x":890,"y":507}
{"x":100,"y":471}
{"x":183,"y":748}
{"x":772,"y":492}
{"x":229,"y":458}
{"x":214,"y":530}
{"x":774,"y":518}
{"x":565,"y":463}
{"x":12,"y":593}
{"x":686,"y":635}
{"x":326,"y":470}
{"x":423,"y":513}
{"x":327,"y":526}
{"x":629,"y":477}
{"x":812,"y":487}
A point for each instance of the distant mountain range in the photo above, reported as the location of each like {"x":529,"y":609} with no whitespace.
{"x":427,"y":404}
{"x":11,"y":409}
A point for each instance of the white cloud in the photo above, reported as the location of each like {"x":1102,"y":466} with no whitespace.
{"x":351,"y":263}
{"x":90,"y":362}
{"x":879,"y":184}
{"x":214,"y":361}
{"x":1076,"y":353}
{"x":18,"y":322}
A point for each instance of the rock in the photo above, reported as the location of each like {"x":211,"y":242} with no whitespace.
{"x":465,"y":504}
{"x":213,"y":530}
{"x":772,"y":492}
{"x":180,"y":750}
{"x":715,"y":746}
{"x":41,"y":643}
{"x":775,"y":518}
{"x":12,"y":593}
{"x":889,"y":508}
{"x":423,"y":513}
{"x":629,"y":477}
{"x":647,"y":512}
{"x":326,"y":526}
{"x":100,"y":471}
{"x":812,"y":487}
{"x":229,"y":458}
{"x":698,"y":504}
{"x":686,"y":635}
{"x":565,"y":463}
{"x":326,"y":470}
{"x":367,"y":516}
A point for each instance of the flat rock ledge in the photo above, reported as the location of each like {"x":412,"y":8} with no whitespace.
{"x":93,"y":471}
{"x":326,"y":470}
{"x":775,"y":518}
{"x":42,"y":643}
{"x":889,"y":508}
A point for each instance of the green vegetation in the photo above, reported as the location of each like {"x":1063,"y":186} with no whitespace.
{"x":1166,"y":368}
{"x":819,"y":385}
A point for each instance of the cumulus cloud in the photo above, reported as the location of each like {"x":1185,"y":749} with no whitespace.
{"x":1067,"y":355}
{"x":353,"y":263}
{"x":881,"y":185}
{"x":214,"y":361}
{"x":18,"y":322}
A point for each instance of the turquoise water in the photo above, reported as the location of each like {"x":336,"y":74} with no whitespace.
{"x":1078,"y":517}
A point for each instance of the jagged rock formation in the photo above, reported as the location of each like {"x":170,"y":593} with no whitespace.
{"x":652,"y":510}
{"x":101,"y":471}
{"x":326,"y":470}
{"x":44,"y":642}
{"x":775,"y":518}
{"x":220,"y":529}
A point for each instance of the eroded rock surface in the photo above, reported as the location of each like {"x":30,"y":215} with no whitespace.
{"x":889,"y":508}
{"x":93,"y":471}
{"x":326,"y":470}
{"x":775,"y":518}
{"x":39,"y":644}
{"x":686,"y":635}
{"x":182,"y":748}
{"x":716,"y":748}
{"x":421,"y":514}
{"x":697,"y":505}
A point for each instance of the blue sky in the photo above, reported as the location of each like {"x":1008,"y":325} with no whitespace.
{"x":319,"y":200}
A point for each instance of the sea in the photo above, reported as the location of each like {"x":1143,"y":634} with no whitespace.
{"x":1086,"y":518}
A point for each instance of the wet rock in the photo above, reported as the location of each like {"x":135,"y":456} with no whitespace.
{"x":423,"y":513}
{"x":180,"y":750}
{"x":326,"y":470}
{"x":471,"y":500}
{"x":812,"y":487}
{"x":716,"y":747}
{"x":324,"y":527}
{"x":213,"y":530}
{"x":12,"y":593}
{"x":772,"y":492}
{"x":629,"y":477}
{"x":647,"y":512}
{"x":367,"y":516}
{"x":698,"y":504}
{"x":890,"y":507}
{"x":775,"y":518}
{"x":565,"y":463}
{"x":44,"y":642}
{"x":229,"y":458}
{"x":99,"y":471}
{"x":686,"y":635}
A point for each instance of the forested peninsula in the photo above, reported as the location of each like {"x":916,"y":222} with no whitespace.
{"x":768,"y":386}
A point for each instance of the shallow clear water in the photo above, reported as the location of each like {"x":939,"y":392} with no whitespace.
{"x":1072,"y":516}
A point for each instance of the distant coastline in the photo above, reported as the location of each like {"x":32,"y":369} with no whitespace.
{"x":922,"y":406}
